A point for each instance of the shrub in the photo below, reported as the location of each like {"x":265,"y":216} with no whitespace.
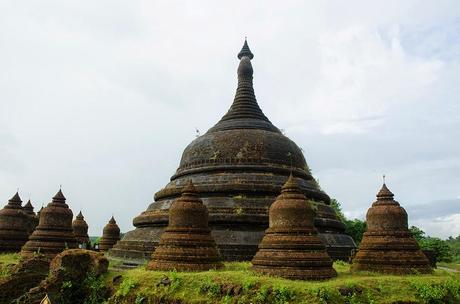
{"x":125,"y":287}
{"x":447,"y":292}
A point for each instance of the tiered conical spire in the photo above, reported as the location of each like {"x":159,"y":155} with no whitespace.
{"x":80,"y":230}
{"x":54,"y":232}
{"x":13,"y":226}
{"x":387,"y":245}
{"x":15,"y":200}
{"x":110,"y":235}
{"x":186,"y":244}
{"x":385,"y":194}
{"x":291,"y":247}
{"x":59,"y":197}
{"x":245,"y":111}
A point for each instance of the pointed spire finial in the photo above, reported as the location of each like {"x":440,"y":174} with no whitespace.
{"x":16,"y":198}
{"x":59,"y":196}
{"x":245,"y":51}
{"x":291,"y":184}
{"x":384,"y":193}
{"x":189,"y":188}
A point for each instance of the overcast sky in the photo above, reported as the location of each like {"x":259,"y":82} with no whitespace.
{"x":103,"y":96}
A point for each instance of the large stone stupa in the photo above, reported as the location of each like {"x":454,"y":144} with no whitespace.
{"x":238,"y":168}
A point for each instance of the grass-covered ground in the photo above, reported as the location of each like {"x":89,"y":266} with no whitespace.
{"x":238,"y":284}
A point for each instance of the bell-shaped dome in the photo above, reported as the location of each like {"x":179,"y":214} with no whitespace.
{"x":187,"y":244}
{"x":110,"y":235}
{"x":80,"y":229}
{"x":291,"y":247}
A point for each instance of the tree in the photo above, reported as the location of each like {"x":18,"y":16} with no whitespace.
{"x":338,"y":209}
{"x":354,"y":228}
{"x":441,"y":248}
{"x":417,"y":233}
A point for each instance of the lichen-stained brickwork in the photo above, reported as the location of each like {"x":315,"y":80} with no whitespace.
{"x":54,"y":232}
{"x":387,"y":245}
{"x":110,"y":235}
{"x":14,"y":226}
{"x":291,"y":247}
{"x":187,"y":244}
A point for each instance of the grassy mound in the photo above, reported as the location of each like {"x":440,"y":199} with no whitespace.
{"x":238,"y":284}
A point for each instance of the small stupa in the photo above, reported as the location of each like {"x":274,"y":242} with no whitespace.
{"x":387,"y":245}
{"x":54,"y":232}
{"x":80,"y":230}
{"x":110,"y":235}
{"x":13,"y":226}
{"x":28,"y":209}
{"x":187,"y":243}
{"x":291,"y":247}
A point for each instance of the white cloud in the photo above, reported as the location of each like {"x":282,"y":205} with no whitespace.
{"x":363,"y":76}
{"x":442,"y":227}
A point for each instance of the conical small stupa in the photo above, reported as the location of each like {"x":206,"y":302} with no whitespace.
{"x":54,"y":232}
{"x":28,"y":209}
{"x":387,"y":245}
{"x":291,"y":247}
{"x":110,"y":235}
{"x":80,"y":230}
{"x":13,"y":226}
{"x":187,"y":244}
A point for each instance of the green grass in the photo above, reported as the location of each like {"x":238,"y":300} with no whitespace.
{"x":140,"y":285}
{"x":6,"y":260}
